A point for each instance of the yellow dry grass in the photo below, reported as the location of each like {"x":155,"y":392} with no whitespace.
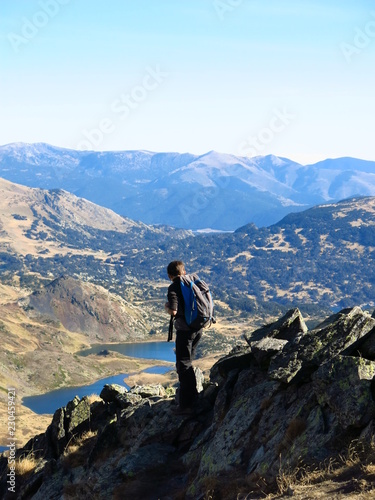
{"x":165,"y":380}
{"x":25,"y":464}
{"x":304,"y":291}
{"x":351,"y":475}
{"x":278,"y":242}
{"x":92,"y":398}
{"x":76,"y":451}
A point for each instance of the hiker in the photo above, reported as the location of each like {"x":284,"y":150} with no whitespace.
{"x":186,"y":340}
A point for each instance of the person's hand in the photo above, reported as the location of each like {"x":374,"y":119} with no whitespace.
{"x":170,"y":311}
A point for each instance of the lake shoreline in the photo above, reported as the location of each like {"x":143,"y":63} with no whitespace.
{"x":155,"y":357}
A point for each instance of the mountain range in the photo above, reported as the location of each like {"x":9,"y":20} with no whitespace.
{"x":214,"y":190}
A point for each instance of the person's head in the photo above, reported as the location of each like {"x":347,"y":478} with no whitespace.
{"x":176,"y":268}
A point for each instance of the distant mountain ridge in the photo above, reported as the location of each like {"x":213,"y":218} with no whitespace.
{"x":214,"y":190}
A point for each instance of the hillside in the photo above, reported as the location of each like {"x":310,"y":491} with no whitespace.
{"x":323,"y":255}
{"x":46,"y":317}
{"x":212,"y":190}
{"x":41,"y":333}
{"x":88,"y":309}
{"x":58,"y":231}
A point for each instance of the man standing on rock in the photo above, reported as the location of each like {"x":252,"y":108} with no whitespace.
{"x":186,"y":340}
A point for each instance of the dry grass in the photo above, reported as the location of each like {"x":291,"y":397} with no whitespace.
{"x":77,"y":450}
{"x":352,"y":473}
{"x":150,"y":378}
{"x":29,"y":424}
{"x":92,"y":398}
{"x":25,"y":464}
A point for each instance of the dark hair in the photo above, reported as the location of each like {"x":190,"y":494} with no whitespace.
{"x":176,"y":268}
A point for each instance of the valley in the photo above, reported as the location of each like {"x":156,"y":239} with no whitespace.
{"x":73,"y":274}
{"x":39,"y":355}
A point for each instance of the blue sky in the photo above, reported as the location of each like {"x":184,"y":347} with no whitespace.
{"x":289,"y":78}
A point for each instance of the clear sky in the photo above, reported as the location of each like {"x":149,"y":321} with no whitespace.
{"x":292,"y":78}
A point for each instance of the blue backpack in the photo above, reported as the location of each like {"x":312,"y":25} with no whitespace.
{"x":198,"y":303}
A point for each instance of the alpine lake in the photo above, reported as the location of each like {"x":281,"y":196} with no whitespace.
{"x":51,"y":401}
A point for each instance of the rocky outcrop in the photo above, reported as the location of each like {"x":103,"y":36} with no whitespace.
{"x":289,"y":396}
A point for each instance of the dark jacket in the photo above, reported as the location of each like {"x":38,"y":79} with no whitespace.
{"x":176,"y":302}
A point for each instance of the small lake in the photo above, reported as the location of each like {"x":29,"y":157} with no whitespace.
{"x":51,"y":401}
{"x":162,"y":351}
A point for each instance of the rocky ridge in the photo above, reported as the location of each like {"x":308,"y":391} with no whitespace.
{"x":289,"y":396}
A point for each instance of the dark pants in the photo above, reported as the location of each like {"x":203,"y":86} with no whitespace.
{"x":186,"y":343}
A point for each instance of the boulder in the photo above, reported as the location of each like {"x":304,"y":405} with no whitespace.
{"x":110,"y":391}
{"x":56,"y":433}
{"x":145,"y":459}
{"x":223,"y":452}
{"x":344,"y":384}
{"x":127,"y":399}
{"x":147,"y":391}
{"x":285,"y":328}
{"x":69,"y":421}
{"x":340,"y":334}
{"x":367,"y":348}
{"x":237,"y":359}
{"x":265,"y":349}
{"x":77,"y":416}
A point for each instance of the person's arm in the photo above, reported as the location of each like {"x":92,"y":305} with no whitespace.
{"x":171,"y":312}
{"x":172,"y":305}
